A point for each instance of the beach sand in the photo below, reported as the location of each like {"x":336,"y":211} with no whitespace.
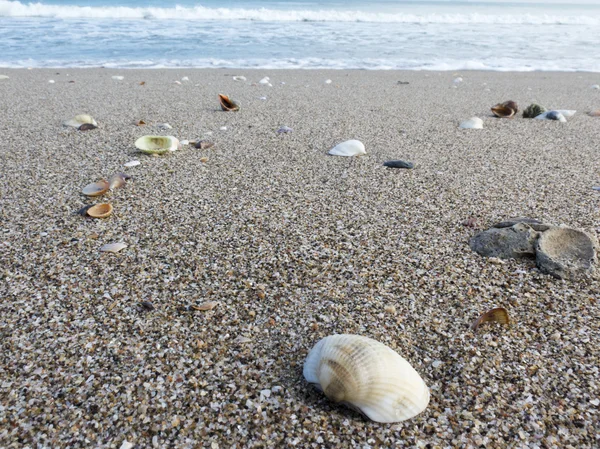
{"x":295,"y":245}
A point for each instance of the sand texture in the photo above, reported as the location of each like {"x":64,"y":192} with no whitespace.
{"x":294,"y":245}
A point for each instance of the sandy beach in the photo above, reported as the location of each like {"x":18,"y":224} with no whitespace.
{"x":294,"y":245}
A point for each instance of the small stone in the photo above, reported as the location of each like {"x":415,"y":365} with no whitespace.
{"x":399,"y":164}
{"x":515,"y":242}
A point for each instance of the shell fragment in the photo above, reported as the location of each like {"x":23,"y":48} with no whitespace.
{"x":113,"y":247}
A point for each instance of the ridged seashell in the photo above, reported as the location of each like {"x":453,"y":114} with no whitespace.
{"x":368,"y":376}
{"x":505,"y":110}
{"x":533,"y":110}
{"x":498,"y":314}
{"x":113,"y":247}
{"x":79,"y":120}
{"x":472,"y":123}
{"x":101,"y":210}
{"x":227,"y":104}
{"x":348,"y":148}
{"x":96,"y":188}
{"x":117,"y":180}
{"x":157,"y":144}
{"x":565,"y":253}
{"x":552,"y":115}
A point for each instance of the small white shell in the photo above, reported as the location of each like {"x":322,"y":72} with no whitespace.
{"x":157,"y":144}
{"x":458,"y":80}
{"x":79,"y":120}
{"x":328,"y":81}
{"x":595,"y":86}
{"x":472,"y":123}
{"x":367,"y":375}
{"x":239,"y":78}
{"x":4,"y":77}
{"x":113,"y":247}
{"x":118,"y":77}
{"x":185,"y":78}
{"x":164,"y":126}
{"x":51,"y":81}
{"x":132,"y":164}
{"x":348,"y":148}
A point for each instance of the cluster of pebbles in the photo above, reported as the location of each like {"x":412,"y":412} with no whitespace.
{"x":243,"y":264}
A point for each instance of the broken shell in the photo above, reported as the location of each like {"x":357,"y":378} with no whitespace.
{"x":96,"y":188}
{"x":131,"y":164}
{"x":102,"y":210}
{"x":348,"y":148}
{"x":117,"y":180}
{"x":79,"y":120}
{"x":118,"y":77}
{"x":87,"y":127}
{"x":367,"y":376}
{"x":284,"y":129}
{"x":227,"y":104}
{"x":140,"y":123}
{"x":206,"y":306}
{"x":204,"y":159}
{"x":157,"y":144}
{"x":472,"y":123}
{"x":146,"y":305}
{"x":113,"y":247}
{"x":552,"y":115}
{"x":498,"y":314}
{"x":505,"y":110}
{"x":142,"y":83}
{"x":565,"y":253}
{"x":533,"y":110}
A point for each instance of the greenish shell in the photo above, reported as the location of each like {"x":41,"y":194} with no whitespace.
{"x":533,"y":110}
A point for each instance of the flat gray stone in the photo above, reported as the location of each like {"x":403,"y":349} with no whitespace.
{"x":566,"y":253}
{"x":515,"y":242}
{"x":399,"y":164}
{"x":532,"y":222}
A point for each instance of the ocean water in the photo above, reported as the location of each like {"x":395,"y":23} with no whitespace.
{"x":381,"y":34}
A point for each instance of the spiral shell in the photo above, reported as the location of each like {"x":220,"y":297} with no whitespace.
{"x":368,"y":376}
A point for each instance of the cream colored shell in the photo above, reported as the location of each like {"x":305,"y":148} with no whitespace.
{"x":348,"y":148}
{"x":366,"y":375}
{"x":79,"y":120}
{"x":157,"y":144}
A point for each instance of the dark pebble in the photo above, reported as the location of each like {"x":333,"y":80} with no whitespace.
{"x":87,"y":127}
{"x":399,"y":164}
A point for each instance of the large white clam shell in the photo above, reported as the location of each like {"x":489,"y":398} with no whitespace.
{"x":79,"y":120}
{"x":157,"y":144}
{"x":348,"y":148}
{"x":366,"y":375}
{"x":472,"y":123}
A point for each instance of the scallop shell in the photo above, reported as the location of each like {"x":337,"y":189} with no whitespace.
{"x":157,"y":144}
{"x":505,"y":110}
{"x":227,"y":104}
{"x":348,"y":148}
{"x":96,"y":188}
{"x":533,"y":110}
{"x":367,"y":375}
{"x":101,"y":210}
{"x":79,"y":120}
{"x":565,"y":253}
{"x":472,"y":123}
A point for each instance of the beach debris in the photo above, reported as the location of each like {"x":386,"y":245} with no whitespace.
{"x":597,"y":188}
{"x":113,"y":247}
{"x":508,"y":109}
{"x":118,"y":77}
{"x":176,"y":82}
{"x":566,"y":253}
{"x":117,"y":181}
{"x":552,"y":115}
{"x":239,"y":78}
{"x":84,"y":209}
{"x":79,"y":120}
{"x":185,"y":78}
{"x":87,"y":127}
{"x":101,"y":210}
{"x":4,"y":77}
{"x":265,"y":81}
{"x":497,"y":314}
{"x":227,"y":104}
{"x":595,"y":113}
{"x":164,"y":126}
{"x":514,"y":242}
{"x":399,"y":164}
{"x":470,"y":222}
{"x":531,"y":222}
{"x":366,"y":376}
{"x":204,"y":159}
{"x":328,"y":81}
{"x":203,"y":144}
{"x":284,"y":130}
{"x":240,"y":339}
{"x":142,"y":83}
{"x":140,"y":123}
{"x":223,"y":128}
{"x":533,"y":110}
{"x":402,"y":83}
{"x":146,"y":305}
{"x":157,"y":144}
{"x":206,"y":306}
{"x":348,"y":148}
{"x":472,"y":123}
{"x":51,"y":81}
{"x":262,"y":98}
{"x":458,"y":80}
{"x":96,"y":188}
{"x":595,"y":86}
{"x":126,"y":445}
{"x":131,"y":164}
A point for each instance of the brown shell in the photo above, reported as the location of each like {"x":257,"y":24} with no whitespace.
{"x":507,"y":109}
{"x":498,"y":314}
{"x":101,"y":210}
{"x":227,"y":104}
{"x":96,"y":188}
